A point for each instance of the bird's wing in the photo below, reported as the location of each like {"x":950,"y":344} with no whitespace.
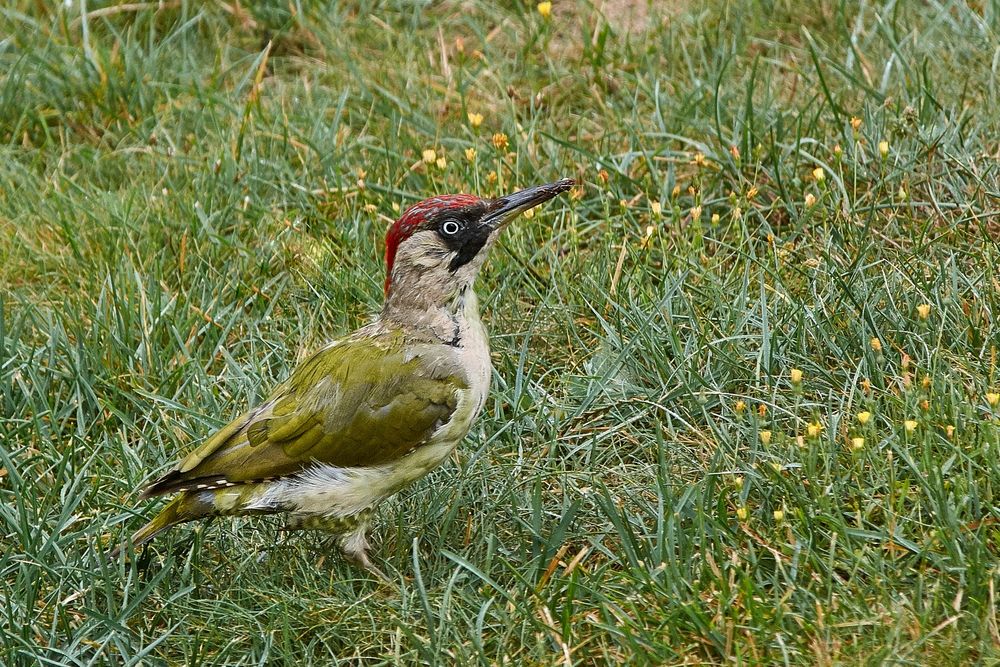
{"x":356,"y":403}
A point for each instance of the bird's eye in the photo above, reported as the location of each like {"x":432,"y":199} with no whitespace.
{"x":450,"y":227}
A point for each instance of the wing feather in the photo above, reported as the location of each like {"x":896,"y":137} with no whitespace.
{"x":357,"y":403}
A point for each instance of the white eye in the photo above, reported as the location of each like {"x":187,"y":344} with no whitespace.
{"x":450,"y":227}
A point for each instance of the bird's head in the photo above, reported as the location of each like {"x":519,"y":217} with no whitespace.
{"x":438,"y":245}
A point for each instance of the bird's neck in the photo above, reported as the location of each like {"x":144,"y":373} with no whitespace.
{"x":449,"y":323}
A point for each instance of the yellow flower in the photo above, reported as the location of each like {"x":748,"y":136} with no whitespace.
{"x":429,"y":155}
{"x":810,"y":200}
{"x":883,"y":148}
{"x":529,"y":214}
{"x":545,"y":9}
{"x":395,"y":206}
{"x":779,"y":515}
{"x":992,"y":398}
{"x":800,"y":441}
{"x":441,"y":162}
{"x":475,"y":119}
{"x":699,"y":159}
{"x":470,"y":154}
{"x":500,"y":141}
{"x":924,"y":310}
{"x":910,"y":425}
{"x":765,"y":437}
{"x":819,"y":174}
{"x":855,"y":123}
{"x":715,"y":218}
{"x":949,"y":431}
{"x":863,"y":417}
{"x":656,"y":208}
{"x":776,"y":467}
{"x":857,"y":444}
{"x":696,"y":213}
{"x":741,"y":513}
{"x":876,"y":344}
{"x":762,"y":410}
{"x":814,"y":429}
{"x":740,"y":407}
{"x":796,"y":376}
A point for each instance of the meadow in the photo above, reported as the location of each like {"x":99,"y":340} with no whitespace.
{"x":746,"y":392}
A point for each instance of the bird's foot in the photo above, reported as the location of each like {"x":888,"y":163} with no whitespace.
{"x":355,"y":547}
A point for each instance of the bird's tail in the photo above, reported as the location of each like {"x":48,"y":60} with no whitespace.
{"x":184,"y":507}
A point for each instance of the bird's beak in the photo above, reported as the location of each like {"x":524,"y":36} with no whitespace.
{"x":504,"y":209}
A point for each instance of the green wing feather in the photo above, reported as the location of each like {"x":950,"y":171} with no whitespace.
{"x":356,"y":403}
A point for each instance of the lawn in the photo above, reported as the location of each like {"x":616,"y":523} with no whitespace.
{"x":745,"y":404}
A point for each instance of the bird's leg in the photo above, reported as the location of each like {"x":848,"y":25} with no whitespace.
{"x":355,"y":546}
{"x":351,"y":535}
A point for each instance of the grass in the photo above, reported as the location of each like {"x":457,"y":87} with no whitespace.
{"x":192,"y":198}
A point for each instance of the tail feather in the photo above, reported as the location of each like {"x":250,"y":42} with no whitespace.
{"x":183,"y":508}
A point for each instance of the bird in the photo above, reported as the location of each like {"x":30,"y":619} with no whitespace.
{"x":370,"y":412}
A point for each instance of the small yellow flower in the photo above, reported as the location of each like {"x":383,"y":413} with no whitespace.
{"x":738,"y":481}
{"x":529,"y":214}
{"x":395,"y":206}
{"x":699,"y":159}
{"x":876,"y":345}
{"x":740,"y":407}
{"x":656,"y":208}
{"x":926,"y":382}
{"x":776,"y":467}
{"x":901,"y":194}
{"x":863,"y":417}
{"x":800,"y":441}
{"x":837,"y":150}
{"x":475,"y":119}
{"x":742,"y":513}
{"x":545,"y":9}
{"x":500,"y":141}
{"x":814,"y":429}
{"x":819,"y":174}
{"x":765,"y":437}
{"x":779,"y":515}
{"x":696,"y":213}
{"x":796,"y":376}
{"x":883,"y":148}
{"x":855,"y":123}
{"x":676,"y":192}
{"x":371,"y":208}
{"x":441,"y":162}
{"x":762,"y":410}
{"x":857,"y":444}
{"x":430,"y":156}
{"x":949,"y":431}
{"x":715,"y":218}
{"x":992,"y":398}
{"x":924,"y":310}
{"x":810,"y":200}
{"x":470,"y":154}
{"x":910,"y":425}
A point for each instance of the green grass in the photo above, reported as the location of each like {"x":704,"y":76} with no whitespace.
{"x":192,"y":198}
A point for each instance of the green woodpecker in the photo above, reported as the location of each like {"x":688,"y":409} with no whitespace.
{"x":370,"y":412}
